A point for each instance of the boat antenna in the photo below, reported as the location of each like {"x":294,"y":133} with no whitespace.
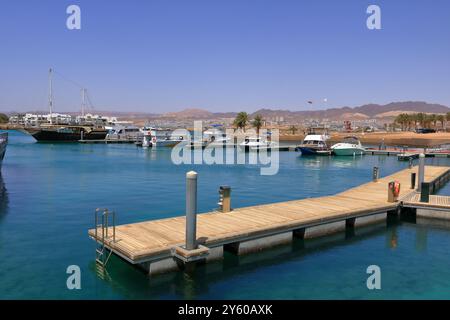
{"x":91,"y":105}
{"x":83,"y":90}
{"x":50,"y":94}
{"x":83,"y":101}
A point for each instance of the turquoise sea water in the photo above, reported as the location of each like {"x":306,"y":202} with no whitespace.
{"x":51,"y":191}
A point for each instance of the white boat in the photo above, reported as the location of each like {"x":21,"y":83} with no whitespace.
{"x":125,"y":133}
{"x":350,"y":146}
{"x":158,"y":137}
{"x":314,"y":144}
{"x":256,"y":143}
{"x":215,"y":137}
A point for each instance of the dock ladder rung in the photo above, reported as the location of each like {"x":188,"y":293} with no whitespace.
{"x":104,"y":228}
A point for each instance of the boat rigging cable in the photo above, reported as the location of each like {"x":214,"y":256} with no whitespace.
{"x":78,"y":85}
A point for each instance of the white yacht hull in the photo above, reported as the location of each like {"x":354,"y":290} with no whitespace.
{"x":255,"y":147}
{"x":166,"y":143}
{"x":342,"y":149}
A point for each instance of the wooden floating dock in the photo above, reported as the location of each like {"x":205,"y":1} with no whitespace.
{"x":155,"y":245}
{"x":108,"y":141}
{"x":435,"y":202}
{"x":403,"y":155}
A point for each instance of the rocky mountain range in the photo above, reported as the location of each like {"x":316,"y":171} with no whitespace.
{"x":368,"y":111}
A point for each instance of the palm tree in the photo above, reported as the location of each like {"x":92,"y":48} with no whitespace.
{"x":414,"y":119}
{"x":441,"y":119}
{"x":421,"y":119}
{"x":406,"y":121}
{"x":402,"y":119}
{"x":241,"y":120}
{"x":447,"y":118}
{"x":257,"y":123}
{"x":428,"y":120}
{"x":293,"y":129}
{"x":433,"y":119}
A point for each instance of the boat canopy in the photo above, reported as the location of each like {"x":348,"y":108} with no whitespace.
{"x":314,"y":137}
{"x":253,"y":138}
{"x":351,"y":139}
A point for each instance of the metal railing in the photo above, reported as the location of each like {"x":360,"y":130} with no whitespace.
{"x":101,"y":258}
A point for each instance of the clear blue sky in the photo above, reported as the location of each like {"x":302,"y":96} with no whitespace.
{"x":224,"y":55}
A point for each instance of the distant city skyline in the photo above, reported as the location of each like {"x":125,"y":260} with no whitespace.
{"x":223,"y":56}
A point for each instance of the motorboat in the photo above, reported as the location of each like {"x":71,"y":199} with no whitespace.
{"x":215,"y":137}
{"x":158,"y":137}
{"x":314,"y":144}
{"x":125,"y":133}
{"x":350,"y":146}
{"x":256,"y":143}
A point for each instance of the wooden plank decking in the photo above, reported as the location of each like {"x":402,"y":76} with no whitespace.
{"x":146,"y":241}
{"x":435,"y":201}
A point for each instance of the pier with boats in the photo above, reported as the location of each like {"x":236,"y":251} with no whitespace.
{"x":159,"y":246}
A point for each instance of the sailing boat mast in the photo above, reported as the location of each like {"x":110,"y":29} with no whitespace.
{"x":83,"y":101}
{"x":50,"y":95}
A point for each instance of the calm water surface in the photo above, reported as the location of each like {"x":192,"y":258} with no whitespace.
{"x":51,"y":191}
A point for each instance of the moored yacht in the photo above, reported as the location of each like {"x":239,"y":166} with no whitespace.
{"x":158,"y":137}
{"x":350,"y":146}
{"x":215,"y":137}
{"x":256,"y":143}
{"x":314,"y":144}
{"x":125,"y":132}
{"x":67,"y":133}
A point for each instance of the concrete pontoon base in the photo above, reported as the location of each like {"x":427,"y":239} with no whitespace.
{"x":250,"y":246}
{"x":173,"y":264}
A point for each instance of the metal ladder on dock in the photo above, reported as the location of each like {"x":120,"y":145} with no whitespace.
{"x":101,"y":254}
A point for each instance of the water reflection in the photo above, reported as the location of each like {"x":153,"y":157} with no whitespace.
{"x":199,"y":282}
{"x":392,"y":238}
{"x":317,"y":162}
{"x":421,"y":239}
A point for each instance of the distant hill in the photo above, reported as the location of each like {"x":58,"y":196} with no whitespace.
{"x":189,"y":114}
{"x":198,"y":114}
{"x":413,"y":106}
{"x":367,"y":111}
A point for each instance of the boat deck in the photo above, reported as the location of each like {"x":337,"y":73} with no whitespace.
{"x":152,"y":240}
